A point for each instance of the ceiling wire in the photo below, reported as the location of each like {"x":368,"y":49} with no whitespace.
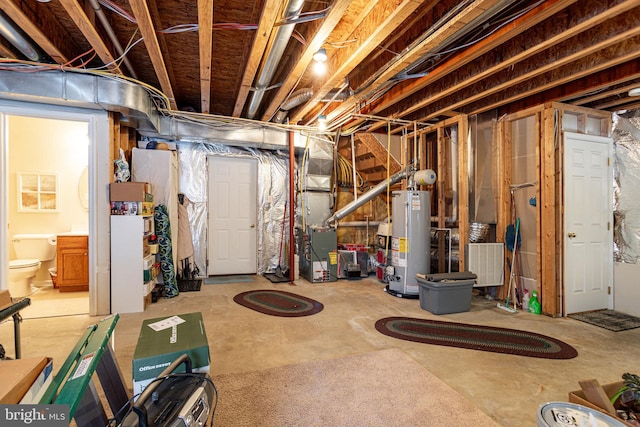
{"x":380,"y":91}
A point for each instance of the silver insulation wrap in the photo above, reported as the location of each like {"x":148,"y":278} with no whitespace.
{"x":626,"y":137}
{"x":273,"y":188}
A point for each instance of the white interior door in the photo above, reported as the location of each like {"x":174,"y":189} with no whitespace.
{"x":588,"y":234}
{"x":231,"y":245}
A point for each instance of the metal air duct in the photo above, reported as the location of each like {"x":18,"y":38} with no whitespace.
{"x":19,"y":39}
{"x":281,"y":39}
{"x":297,"y":98}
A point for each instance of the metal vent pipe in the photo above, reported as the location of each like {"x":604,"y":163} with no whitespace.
{"x":18,"y":39}
{"x":369,"y":195}
{"x":281,"y":39}
{"x":112,"y":36}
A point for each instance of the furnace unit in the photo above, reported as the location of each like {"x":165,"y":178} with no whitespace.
{"x":319,"y":258}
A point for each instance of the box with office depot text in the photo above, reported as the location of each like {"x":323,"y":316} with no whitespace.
{"x":162,"y":340}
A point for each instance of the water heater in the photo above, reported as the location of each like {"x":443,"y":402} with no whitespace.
{"x":410,"y":242}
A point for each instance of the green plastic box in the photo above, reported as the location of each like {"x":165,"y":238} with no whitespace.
{"x":172,"y":337}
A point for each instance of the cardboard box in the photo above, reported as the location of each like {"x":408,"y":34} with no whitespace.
{"x":39,"y":386}
{"x":579,"y":397}
{"x":162,"y":340}
{"x":18,"y":376}
{"x":129,"y":191}
{"x":5,"y":299}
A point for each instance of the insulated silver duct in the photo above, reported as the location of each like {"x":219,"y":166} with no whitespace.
{"x":281,"y":39}
{"x":297,"y":98}
{"x":18,"y":39}
{"x":369,"y":195}
{"x":135,"y":104}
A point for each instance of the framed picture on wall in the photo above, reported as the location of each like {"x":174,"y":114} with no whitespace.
{"x":37,"y":192}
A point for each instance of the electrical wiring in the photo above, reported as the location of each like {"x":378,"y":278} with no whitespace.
{"x":180,"y":28}
{"x":71,"y":61}
{"x":129,"y":46}
{"x":108,"y":4}
{"x":296,"y":35}
{"x":369,"y":98}
{"x":342,"y":44}
{"x":345,"y":173}
{"x":119,"y":59}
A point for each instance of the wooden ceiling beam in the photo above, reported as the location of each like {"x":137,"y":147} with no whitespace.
{"x":205,"y":44}
{"x":614,"y":76}
{"x":627,"y":50}
{"x":75,"y":11}
{"x":329,"y":23}
{"x":143,"y":18}
{"x":374,"y":29}
{"x":577,"y":19}
{"x":604,"y":91}
{"x":485,"y":79}
{"x":6,"y":52}
{"x":440,"y":36}
{"x":265,"y":27}
{"x":489,"y":46}
{"x":19,"y":17}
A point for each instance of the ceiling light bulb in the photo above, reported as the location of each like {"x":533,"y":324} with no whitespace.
{"x":322,"y":122}
{"x":319,"y":68}
{"x":320,"y":55}
{"x":635,"y":91}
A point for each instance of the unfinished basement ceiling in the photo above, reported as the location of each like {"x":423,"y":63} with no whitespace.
{"x":409,"y":60}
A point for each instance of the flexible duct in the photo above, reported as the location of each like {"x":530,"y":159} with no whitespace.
{"x":303,"y":95}
{"x":18,"y":39}
{"x":283,"y":34}
{"x":369,"y":195}
{"x":297,"y":98}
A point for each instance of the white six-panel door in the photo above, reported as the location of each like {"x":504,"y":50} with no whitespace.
{"x":232,"y":216}
{"x":588,"y":234}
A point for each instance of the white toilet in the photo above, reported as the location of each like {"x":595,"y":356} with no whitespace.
{"x":31,"y":250}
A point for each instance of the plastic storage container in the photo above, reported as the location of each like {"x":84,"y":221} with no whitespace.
{"x":447,"y":296}
{"x":563,"y":414}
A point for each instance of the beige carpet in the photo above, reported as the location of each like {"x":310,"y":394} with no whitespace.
{"x":381,"y":388}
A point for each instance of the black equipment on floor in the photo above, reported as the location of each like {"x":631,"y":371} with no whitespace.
{"x":174,"y":399}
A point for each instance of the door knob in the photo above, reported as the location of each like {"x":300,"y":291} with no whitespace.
{"x":572,"y":235}
{"x":253,"y":226}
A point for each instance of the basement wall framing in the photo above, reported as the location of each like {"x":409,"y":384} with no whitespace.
{"x":543,"y":128}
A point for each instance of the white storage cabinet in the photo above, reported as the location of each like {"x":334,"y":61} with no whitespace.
{"x":129,"y":248}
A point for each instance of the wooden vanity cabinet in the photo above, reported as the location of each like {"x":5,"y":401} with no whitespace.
{"x":73,"y":263}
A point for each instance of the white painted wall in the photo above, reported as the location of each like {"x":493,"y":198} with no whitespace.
{"x":626,"y":289}
{"x":99,"y":175}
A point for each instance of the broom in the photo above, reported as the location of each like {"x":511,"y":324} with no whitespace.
{"x":506,"y":307}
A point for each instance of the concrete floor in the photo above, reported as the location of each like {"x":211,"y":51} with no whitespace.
{"x":508,"y":388}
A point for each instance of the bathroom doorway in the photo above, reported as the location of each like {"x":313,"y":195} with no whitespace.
{"x":53,"y":148}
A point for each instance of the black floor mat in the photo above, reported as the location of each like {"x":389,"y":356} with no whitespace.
{"x":274,"y":278}
{"x":608,"y":319}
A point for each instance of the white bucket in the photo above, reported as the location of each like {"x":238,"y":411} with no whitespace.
{"x":563,"y":414}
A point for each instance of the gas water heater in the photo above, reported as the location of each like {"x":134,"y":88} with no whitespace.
{"x":410,"y":242}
